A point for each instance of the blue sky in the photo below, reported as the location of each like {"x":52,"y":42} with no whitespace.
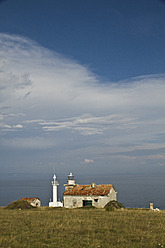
{"x":116,"y":39}
{"x":82,"y":86}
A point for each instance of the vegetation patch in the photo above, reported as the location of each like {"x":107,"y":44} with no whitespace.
{"x":20,"y":204}
{"x":76,"y":228}
{"x":113,"y":205}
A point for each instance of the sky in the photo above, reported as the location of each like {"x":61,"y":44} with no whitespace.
{"x":82,"y":85}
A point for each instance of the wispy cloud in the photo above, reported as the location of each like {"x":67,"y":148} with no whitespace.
{"x":46,"y":95}
{"x":90,"y":125}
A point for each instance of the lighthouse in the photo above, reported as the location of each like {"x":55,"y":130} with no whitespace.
{"x":55,"y":203}
{"x":70,"y":182}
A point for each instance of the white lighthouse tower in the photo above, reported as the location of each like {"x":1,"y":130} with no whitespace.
{"x":55,"y":203}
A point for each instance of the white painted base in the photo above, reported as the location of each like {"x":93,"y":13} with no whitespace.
{"x":55,"y":204}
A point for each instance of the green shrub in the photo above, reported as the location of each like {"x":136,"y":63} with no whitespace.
{"x":112,"y":205}
{"x":20,"y":204}
{"x":109,"y":208}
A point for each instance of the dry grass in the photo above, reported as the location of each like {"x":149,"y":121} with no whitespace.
{"x":46,"y":227}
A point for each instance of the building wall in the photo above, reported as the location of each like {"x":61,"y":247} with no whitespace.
{"x":55,"y":204}
{"x":73,"y":201}
{"x":36,"y":203}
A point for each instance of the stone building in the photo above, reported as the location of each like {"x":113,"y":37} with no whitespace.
{"x":35,"y":201}
{"x":87,"y":195}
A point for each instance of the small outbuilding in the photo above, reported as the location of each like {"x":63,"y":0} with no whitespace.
{"x":76,"y":195}
{"x":35,"y":201}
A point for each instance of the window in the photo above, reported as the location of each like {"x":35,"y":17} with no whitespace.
{"x":87,"y":203}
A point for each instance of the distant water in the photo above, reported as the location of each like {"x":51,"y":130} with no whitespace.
{"x":133,"y":190}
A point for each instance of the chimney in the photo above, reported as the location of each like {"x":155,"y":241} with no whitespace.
{"x":93,"y":185}
{"x":151,"y":206}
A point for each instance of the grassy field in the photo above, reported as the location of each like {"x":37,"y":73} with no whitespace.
{"x":47,"y":227}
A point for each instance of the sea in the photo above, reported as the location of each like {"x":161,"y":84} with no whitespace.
{"x":134,"y":191}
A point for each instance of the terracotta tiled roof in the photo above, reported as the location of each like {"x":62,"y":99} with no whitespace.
{"x":102,"y":189}
{"x":29,"y":199}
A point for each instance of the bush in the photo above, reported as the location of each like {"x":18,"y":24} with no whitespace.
{"x":20,"y":204}
{"x":112,"y":205}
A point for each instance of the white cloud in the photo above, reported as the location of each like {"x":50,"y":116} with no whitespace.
{"x":3,"y":125}
{"x":40,"y":80}
{"x":88,"y":161}
{"x":18,"y":126}
{"x":44,"y":93}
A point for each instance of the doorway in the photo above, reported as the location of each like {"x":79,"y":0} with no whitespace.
{"x":87,"y":203}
